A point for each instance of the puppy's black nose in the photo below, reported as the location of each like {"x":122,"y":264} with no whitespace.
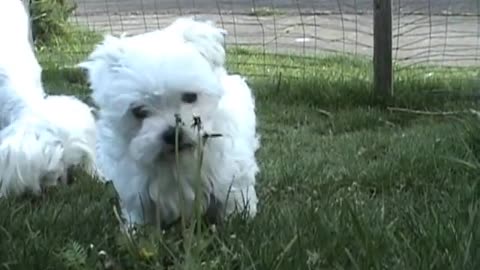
{"x":168,"y":136}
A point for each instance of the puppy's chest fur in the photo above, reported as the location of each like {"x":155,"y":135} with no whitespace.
{"x":164,"y":181}
{"x":168,"y":182}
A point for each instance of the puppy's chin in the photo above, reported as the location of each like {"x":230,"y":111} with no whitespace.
{"x":171,"y":149}
{"x":164,"y":153}
{"x":169,"y":152}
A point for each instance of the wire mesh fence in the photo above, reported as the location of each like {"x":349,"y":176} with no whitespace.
{"x":436,"y":32}
{"x":440,"y":32}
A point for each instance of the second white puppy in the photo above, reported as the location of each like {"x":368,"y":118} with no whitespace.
{"x":142,"y":85}
{"x":41,"y":137}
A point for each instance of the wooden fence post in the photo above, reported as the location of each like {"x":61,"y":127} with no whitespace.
{"x":382,"y":50}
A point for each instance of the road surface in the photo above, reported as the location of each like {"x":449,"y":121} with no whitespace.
{"x":418,"y":38}
{"x":172,"y":6}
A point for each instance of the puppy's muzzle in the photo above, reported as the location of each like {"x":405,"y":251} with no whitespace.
{"x":169,"y":135}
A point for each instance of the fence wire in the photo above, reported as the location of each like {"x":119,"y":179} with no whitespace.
{"x":440,"y":32}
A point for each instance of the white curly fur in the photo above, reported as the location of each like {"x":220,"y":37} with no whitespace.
{"x":41,"y":136}
{"x":153,"y":71}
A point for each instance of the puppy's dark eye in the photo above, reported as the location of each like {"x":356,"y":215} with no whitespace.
{"x":189,"y":97}
{"x":140,"y":112}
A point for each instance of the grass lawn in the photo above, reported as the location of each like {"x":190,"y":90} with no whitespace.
{"x":343,"y":184}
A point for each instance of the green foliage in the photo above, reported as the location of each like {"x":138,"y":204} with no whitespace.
{"x":50,"y":19}
{"x":73,"y":255}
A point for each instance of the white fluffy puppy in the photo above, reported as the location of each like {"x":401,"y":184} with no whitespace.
{"x":41,"y":136}
{"x":141,"y":85}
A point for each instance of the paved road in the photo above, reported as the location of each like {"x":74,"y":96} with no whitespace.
{"x":170,"y":6}
{"x":452,"y":40}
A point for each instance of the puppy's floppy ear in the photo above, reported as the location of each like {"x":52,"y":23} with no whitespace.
{"x":105,"y":60}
